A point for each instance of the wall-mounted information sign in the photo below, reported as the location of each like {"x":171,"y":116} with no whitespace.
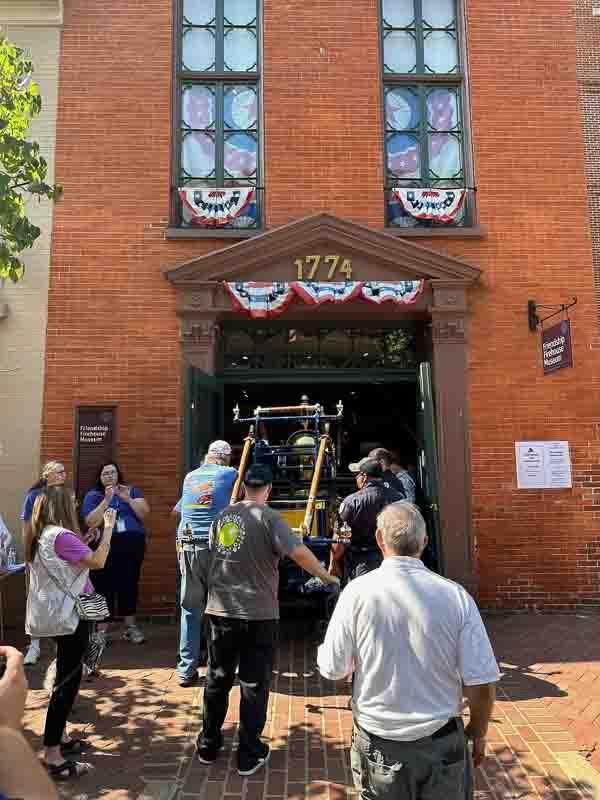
{"x":95,"y":443}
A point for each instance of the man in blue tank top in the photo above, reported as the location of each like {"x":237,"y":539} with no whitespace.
{"x":206,"y":491}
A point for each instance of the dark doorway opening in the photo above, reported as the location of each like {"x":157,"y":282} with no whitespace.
{"x":376,"y":414}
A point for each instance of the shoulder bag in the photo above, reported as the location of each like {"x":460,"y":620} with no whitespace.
{"x":90,"y":606}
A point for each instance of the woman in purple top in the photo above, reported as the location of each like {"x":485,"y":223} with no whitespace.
{"x":55,"y":529}
{"x":53,"y":474}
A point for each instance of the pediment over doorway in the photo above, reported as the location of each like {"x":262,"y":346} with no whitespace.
{"x":272,"y":256}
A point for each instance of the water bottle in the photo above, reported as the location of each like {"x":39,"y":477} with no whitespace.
{"x":12,"y":557}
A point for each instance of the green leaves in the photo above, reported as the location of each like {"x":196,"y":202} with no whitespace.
{"x":23,"y":169}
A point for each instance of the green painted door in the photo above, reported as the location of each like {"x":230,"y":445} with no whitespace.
{"x":428,"y":465}
{"x":203,"y":414}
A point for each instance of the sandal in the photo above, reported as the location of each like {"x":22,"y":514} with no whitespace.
{"x":73,"y":747}
{"x":68,"y":770}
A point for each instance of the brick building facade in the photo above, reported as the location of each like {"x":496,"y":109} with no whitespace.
{"x":327,"y":74}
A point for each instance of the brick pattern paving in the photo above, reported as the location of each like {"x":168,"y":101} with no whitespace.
{"x":142,"y":725}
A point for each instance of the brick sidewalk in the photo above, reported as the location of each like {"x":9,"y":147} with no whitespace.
{"x":142,"y":725}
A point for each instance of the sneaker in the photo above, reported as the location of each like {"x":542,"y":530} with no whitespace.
{"x":32,"y":656}
{"x":207,"y":755}
{"x":188,"y":680}
{"x":251,"y":764}
{"x":134,"y":635}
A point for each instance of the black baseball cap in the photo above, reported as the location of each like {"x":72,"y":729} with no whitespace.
{"x":258,"y":475}
{"x":367,"y":466}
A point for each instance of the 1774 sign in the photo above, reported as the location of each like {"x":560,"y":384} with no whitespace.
{"x":557,"y":351}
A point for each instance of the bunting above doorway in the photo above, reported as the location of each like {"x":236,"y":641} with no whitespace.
{"x":215,"y":207}
{"x":440,"y":205}
{"x":262,"y":300}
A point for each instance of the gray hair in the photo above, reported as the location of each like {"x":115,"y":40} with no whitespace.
{"x":403,"y":528}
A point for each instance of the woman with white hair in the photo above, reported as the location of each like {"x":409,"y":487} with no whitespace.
{"x":53,"y":474}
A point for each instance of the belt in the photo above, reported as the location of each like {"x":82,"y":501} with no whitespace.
{"x":191,"y":545}
{"x":450,"y":727}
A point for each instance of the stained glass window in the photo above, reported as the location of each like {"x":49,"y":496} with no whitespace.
{"x":423,"y":104}
{"x":218,"y":101}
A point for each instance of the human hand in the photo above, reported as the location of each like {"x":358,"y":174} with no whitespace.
{"x":333,"y":580}
{"x":124,"y":493}
{"x":13,"y":688}
{"x":110,"y":517}
{"x":109,"y":493}
{"x":90,"y":536}
{"x":479,"y":744}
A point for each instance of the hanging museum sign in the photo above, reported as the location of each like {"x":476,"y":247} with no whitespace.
{"x":557,"y":351}
{"x":440,"y":205}
{"x":261,"y":300}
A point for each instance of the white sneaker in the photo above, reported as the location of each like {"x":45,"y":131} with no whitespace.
{"x":133,"y":634}
{"x":32,"y":656}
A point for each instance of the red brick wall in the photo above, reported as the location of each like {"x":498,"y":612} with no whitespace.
{"x":112,"y":330}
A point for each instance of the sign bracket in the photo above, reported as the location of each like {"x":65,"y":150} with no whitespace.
{"x":535,"y":321}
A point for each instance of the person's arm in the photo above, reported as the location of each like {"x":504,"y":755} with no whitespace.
{"x":27,"y":539}
{"x":94,"y":516}
{"x":335,"y":657}
{"x":481,"y":702}
{"x":13,"y":688}
{"x":310,"y":563}
{"x":97,"y":558}
{"x":138,"y":504}
{"x":479,"y":672}
{"x":21,"y":774}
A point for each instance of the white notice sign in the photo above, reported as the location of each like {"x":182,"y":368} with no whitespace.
{"x":543,"y":465}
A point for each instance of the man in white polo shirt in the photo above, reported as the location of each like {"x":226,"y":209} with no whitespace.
{"x":416,"y":644}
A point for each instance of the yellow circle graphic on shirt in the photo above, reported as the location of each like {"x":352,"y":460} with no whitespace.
{"x":229,"y":534}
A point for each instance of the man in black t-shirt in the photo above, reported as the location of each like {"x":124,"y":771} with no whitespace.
{"x":360,"y":510}
{"x":247,"y":542}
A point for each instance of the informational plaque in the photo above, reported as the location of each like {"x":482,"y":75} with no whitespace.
{"x":557,"y":351}
{"x":95,"y":443}
{"x":543,"y":465}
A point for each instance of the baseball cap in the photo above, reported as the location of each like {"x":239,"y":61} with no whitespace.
{"x":220,"y":449}
{"x":258,"y":475}
{"x":367,"y":466}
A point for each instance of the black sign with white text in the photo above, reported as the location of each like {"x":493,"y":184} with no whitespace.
{"x":95,"y":443}
{"x":557,"y":351}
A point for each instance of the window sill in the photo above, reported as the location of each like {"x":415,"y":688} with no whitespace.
{"x":211,"y":233}
{"x":472,"y":232}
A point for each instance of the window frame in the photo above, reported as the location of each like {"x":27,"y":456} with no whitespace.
{"x":218,"y":79}
{"x":458,"y":80}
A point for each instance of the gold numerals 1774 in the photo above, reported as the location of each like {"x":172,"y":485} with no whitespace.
{"x":311,"y":268}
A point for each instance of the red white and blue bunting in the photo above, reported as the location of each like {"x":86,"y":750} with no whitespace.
{"x":316,"y":292}
{"x":214,"y":207}
{"x":261,"y":300}
{"x":397,"y":291}
{"x":441,"y":205}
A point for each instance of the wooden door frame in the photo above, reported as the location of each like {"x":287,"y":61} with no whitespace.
{"x":203,"y":304}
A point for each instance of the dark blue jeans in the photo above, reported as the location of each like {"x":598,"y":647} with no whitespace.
{"x":249,"y":645}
